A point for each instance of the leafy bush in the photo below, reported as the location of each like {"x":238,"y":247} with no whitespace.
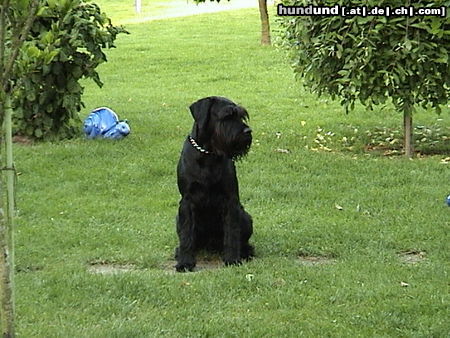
{"x":65,"y":45}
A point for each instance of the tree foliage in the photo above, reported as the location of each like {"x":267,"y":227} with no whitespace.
{"x":64,"y":45}
{"x":373,"y":58}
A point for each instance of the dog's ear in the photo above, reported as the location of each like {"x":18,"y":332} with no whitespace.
{"x":200,"y":111}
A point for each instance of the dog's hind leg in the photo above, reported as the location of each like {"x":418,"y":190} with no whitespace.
{"x":185,"y":253}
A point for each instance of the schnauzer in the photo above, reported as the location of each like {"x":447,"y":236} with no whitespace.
{"x":210,"y":215}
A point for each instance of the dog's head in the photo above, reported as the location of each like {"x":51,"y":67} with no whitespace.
{"x":220,"y":125}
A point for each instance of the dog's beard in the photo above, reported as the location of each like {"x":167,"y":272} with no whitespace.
{"x":231,"y":141}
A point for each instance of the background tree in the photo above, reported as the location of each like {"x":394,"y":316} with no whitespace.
{"x":265,"y":24}
{"x":373,"y":58}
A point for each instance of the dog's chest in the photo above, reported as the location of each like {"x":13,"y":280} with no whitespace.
{"x":213,"y":183}
{"x":207,"y":196}
{"x":211,"y":174}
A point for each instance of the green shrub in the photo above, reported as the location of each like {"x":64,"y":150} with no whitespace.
{"x":65,"y":45}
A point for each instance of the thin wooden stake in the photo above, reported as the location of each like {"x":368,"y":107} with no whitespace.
{"x":7,"y":311}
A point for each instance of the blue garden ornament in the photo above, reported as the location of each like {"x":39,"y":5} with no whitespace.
{"x":104,"y":123}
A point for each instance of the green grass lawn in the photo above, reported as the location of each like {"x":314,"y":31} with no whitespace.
{"x":348,"y":242}
{"x":123,"y":11}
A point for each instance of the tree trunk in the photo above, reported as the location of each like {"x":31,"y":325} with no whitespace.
{"x":408,"y":137}
{"x":265,"y":26}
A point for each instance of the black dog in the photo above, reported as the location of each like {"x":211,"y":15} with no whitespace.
{"x":210,"y":215}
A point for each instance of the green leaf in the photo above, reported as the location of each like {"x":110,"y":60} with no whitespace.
{"x":77,"y":72}
{"x":42,"y":11}
{"x":73,"y":86}
{"x":52,"y":3}
{"x":33,"y":52}
{"x":50,"y":56}
{"x":436,"y":26}
{"x":21,"y":5}
{"x":443,"y":58}
{"x":408,"y":44}
{"x":38,"y":133}
{"x":47,"y":38}
{"x":31,"y":96}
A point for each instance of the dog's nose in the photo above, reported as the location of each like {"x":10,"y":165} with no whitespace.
{"x":247,"y":130}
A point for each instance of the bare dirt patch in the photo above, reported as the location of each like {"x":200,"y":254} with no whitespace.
{"x":22,"y":140}
{"x":412,"y":256}
{"x":109,"y":268}
{"x":315,"y":260}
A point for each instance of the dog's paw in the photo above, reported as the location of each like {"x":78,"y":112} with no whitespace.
{"x":247,"y":253}
{"x":232,"y":262}
{"x":185,"y":267}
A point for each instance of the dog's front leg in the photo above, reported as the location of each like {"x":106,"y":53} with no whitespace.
{"x":185,"y":253}
{"x":232,"y":236}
